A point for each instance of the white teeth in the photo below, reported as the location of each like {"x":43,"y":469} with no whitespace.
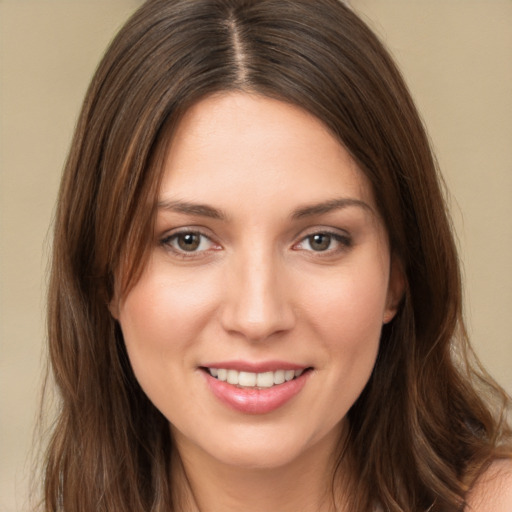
{"x":250,"y":379}
{"x":247,"y":379}
{"x":288,"y":375}
{"x":279,"y":377}
{"x":265,"y":380}
{"x":232,"y":377}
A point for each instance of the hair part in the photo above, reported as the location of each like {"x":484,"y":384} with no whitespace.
{"x":420,"y":414}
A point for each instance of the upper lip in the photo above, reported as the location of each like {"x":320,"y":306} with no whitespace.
{"x":255,"y":367}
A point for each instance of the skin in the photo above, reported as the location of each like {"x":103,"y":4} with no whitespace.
{"x":259,"y":287}
{"x":492,"y":492}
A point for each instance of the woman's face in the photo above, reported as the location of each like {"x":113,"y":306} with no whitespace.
{"x":255,"y":324}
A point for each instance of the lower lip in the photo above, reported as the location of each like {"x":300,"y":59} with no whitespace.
{"x":256,"y":401}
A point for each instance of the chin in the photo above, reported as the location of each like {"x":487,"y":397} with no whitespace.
{"x":264,"y":448}
{"x":270,"y":456}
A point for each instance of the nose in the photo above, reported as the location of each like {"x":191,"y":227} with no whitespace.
{"x":258,"y":302}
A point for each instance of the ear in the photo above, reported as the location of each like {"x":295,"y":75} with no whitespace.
{"x":113,"y":306}
{"x":396,"y":289}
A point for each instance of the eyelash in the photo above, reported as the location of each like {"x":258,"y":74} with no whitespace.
{"x":343,"y":240}
{"x":167,"y":243}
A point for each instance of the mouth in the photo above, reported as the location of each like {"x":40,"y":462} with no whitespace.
{"x":252,"y":388}
{"x":253,"y":380}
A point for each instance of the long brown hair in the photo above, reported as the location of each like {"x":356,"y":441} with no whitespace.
{"x":422,"y":430}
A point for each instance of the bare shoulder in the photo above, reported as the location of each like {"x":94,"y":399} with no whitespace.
{"x":492,"y":491}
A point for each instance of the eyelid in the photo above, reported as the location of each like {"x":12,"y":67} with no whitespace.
{"x":340,"y":236}
{"x":166,"y":239}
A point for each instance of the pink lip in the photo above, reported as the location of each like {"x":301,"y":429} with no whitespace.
{"x":255,"y":401}
{"x":263,"y":366}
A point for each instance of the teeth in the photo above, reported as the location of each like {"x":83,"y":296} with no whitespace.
{"x":247,"y":379}
{"x":279,"y":377}
{"x":265,"y":380}
{"x":232,"y":377}
{"x":250,"y":380}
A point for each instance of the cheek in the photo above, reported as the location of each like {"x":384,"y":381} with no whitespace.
{"x":164,"y":306}
{"x":349,"y":308}
{"x":351,"y":323}
{"x":347,"y":318}
{"x":161,"y":319}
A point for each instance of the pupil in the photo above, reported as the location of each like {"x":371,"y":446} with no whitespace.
{"x":189,"y":241}
{"x":320,"y":242}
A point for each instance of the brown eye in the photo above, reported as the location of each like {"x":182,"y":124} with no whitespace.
{"x":325,"y":242}
{"x":188,"y":241}
{"x":320,"y":241}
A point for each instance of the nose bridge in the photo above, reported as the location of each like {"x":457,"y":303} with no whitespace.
{"x":257,"y":304}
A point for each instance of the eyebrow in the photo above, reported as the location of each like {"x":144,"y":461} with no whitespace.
{"x":329,"y":206}
{"x":204,"y":210}
{"x":188,"y":208}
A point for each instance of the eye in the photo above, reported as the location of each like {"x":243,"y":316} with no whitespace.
{"x":319,"y":241}
{"x":324,"y":241}
{"x":189,"y":242}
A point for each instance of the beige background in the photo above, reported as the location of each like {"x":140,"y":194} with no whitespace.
{"x":457,"y":58}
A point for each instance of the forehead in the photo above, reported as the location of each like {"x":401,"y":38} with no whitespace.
{"x":234,"y":143}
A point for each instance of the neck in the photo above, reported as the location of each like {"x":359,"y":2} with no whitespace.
{"x":204,"y":484}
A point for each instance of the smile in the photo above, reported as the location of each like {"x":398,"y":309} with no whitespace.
{"x":260,"y":391}
{"x":254,"y":380}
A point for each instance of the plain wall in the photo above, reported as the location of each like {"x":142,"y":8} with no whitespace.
{"x":456,"y":56}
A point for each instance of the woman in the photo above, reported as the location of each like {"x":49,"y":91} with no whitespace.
{"x":255,"y":297}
